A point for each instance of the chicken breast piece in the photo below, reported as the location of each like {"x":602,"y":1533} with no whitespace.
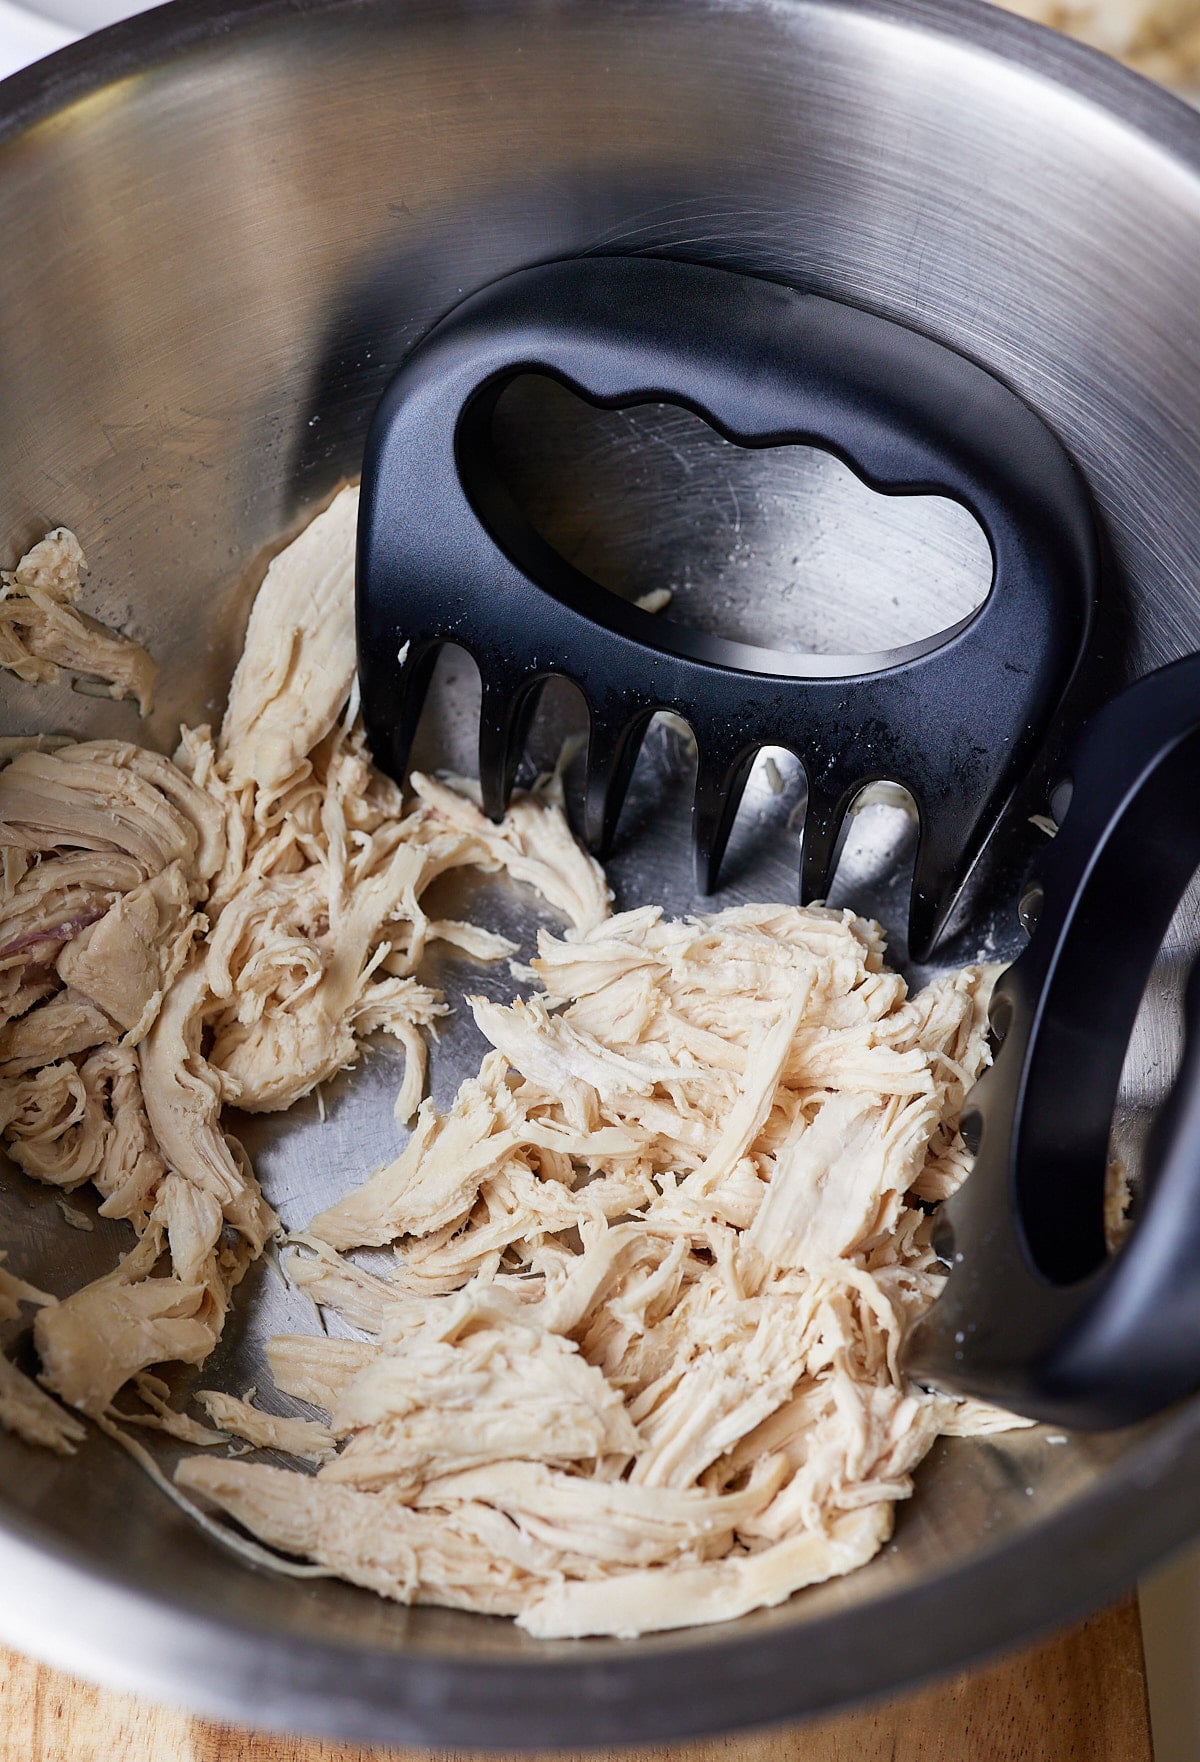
{"x":77,"y":799}
{"x":267,"y":1431}
{"x":628,"y":1604}
{"x":299,"y":655}
{"x":35,"y":1416}
{"x":93,"y":1342}
{"x":125,"y":961}
{"x":183,"y":1102}
{"x":42,"y":633}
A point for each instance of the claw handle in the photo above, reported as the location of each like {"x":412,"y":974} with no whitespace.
{"x":1035,"y":1315}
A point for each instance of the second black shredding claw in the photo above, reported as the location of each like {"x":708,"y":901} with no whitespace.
{"x":446,"y":555}
{"x":1036,"y":1315}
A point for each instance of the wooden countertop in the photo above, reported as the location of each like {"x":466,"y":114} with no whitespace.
{"x":1078,"y":1698}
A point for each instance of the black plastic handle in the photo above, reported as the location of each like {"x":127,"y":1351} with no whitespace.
{"x":445,"y":553}
{"x":1034,"y":1315}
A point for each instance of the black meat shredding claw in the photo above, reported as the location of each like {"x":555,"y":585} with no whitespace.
{"x":446,"y":555}
{"x":1035,"y":1314}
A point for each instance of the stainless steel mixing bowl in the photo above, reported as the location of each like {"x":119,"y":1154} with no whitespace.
{"x":220,"y":226}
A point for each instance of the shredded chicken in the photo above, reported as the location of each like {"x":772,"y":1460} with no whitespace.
{"x":227,"y":926}
{"x":296,"y":669}
{"x":24,"y":1408}
{"x":272,"y":1431}
{"x":42,"y":634}
{"x":635,"y":1364}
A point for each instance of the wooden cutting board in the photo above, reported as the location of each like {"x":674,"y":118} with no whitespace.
{"x":1078,"y":1698}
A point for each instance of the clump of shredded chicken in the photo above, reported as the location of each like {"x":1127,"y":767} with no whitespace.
{"x":222,"y":928}
{"x":635,"y":1363}
{"x":43,"y":634}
